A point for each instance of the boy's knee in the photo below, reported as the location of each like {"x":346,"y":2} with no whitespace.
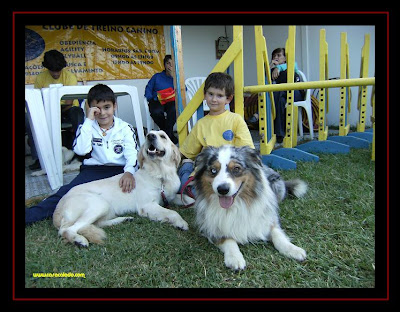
{"x":187,"y":167}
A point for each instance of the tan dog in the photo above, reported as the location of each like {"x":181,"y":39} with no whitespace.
{"x":87,"y":207}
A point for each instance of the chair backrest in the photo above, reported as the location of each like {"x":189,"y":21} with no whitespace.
{"x":192,"y":85}
{"x":304,"y":79}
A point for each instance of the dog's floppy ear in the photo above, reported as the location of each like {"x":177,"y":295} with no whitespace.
{"x":141,"y":156}
{"x":202,"y":158}
{"x":176,"y":155}
{"x":252,"y":154}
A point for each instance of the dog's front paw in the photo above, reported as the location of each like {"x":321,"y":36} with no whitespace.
{"x":297,"y":253}
{"x":176,"y":220}
{"x":181,"y":224}
{"x":38,"y":173}
{"x":80,"y":241}
{"x":235,"y":261}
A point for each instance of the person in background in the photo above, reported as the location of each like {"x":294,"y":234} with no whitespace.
{"x":71,"y":112}
{"x":278,"y":68}
{"x":160,"y":95}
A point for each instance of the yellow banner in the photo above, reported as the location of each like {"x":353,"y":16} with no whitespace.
{"x":108,"y":52}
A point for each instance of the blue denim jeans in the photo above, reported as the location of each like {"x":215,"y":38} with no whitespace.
{"x":184,"y":173}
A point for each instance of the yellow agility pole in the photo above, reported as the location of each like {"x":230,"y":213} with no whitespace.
{"x":323,"y":75}
{"x":337,"y":83}
{"x":238,"y":73}
{"x":229,"y":56}
{"x":373,"y":122}
{"x":290,"y":139}
{"x":362,"y":93}
{"x":345,"y":93}
{"x":266,"y":106}
{"x":345,"y":101}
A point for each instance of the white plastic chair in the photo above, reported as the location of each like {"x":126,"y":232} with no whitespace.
{"x":150,"y":124}
{"x":192,"y":85}
{"x":306,"y":104}
{"x":41,"y":136}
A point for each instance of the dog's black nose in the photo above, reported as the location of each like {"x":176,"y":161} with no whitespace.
{"x":223,"y":189}
{"x":151,"y":137}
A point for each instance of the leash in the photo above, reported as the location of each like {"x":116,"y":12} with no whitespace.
{"x":188,"y":191}
{"x":164,"y":198}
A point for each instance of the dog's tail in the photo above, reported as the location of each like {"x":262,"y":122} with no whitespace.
{"x":93,"y":234}
{"x":296,"y":187}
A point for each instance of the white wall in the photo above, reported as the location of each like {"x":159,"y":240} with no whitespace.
{"x":198,"y":46}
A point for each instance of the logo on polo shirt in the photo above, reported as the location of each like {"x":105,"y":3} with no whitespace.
{"x":118,"y":149}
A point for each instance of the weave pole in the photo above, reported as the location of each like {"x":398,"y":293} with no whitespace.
{"x":345,"y":101}
{"x":362,"y":94}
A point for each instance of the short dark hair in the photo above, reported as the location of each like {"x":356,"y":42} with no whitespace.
{"x":54,"y":60}
{"x":167,"y":58}
{"x":278,"y":50}
{"x":220,"y":81}
{"x":100,"y":92}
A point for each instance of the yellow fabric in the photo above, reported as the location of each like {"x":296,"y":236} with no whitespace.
{"x":44,"y":79}
{"x":226,"y":128}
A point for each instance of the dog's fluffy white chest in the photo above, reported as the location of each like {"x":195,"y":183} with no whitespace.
{"x":239,"y":222}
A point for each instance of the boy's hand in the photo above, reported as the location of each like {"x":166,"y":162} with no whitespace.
{"x":127,"y":182}
{"x":93,"y":111}
{"x":273,"y":64}
{"x":275,"y":73}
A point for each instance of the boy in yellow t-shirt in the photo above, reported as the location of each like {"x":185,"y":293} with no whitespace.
{"x":218,"y":128}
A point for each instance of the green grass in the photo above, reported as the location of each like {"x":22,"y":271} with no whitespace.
{"x":334,"y":223}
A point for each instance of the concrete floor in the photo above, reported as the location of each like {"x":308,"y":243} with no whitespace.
{"x":39,"y":186}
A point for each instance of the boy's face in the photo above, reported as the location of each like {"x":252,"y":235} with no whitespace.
{"x":169,"y":67}
{"x":216,"y":100}
{"x":105,"y":114}
{"x":55,"y":74}
{"x":279,"y":57}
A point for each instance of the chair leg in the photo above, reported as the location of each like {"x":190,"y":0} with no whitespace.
{"x":300,"y":121}
{"x":310,"y":122}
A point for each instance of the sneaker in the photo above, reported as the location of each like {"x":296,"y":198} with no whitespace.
{"x":253,"y":119}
